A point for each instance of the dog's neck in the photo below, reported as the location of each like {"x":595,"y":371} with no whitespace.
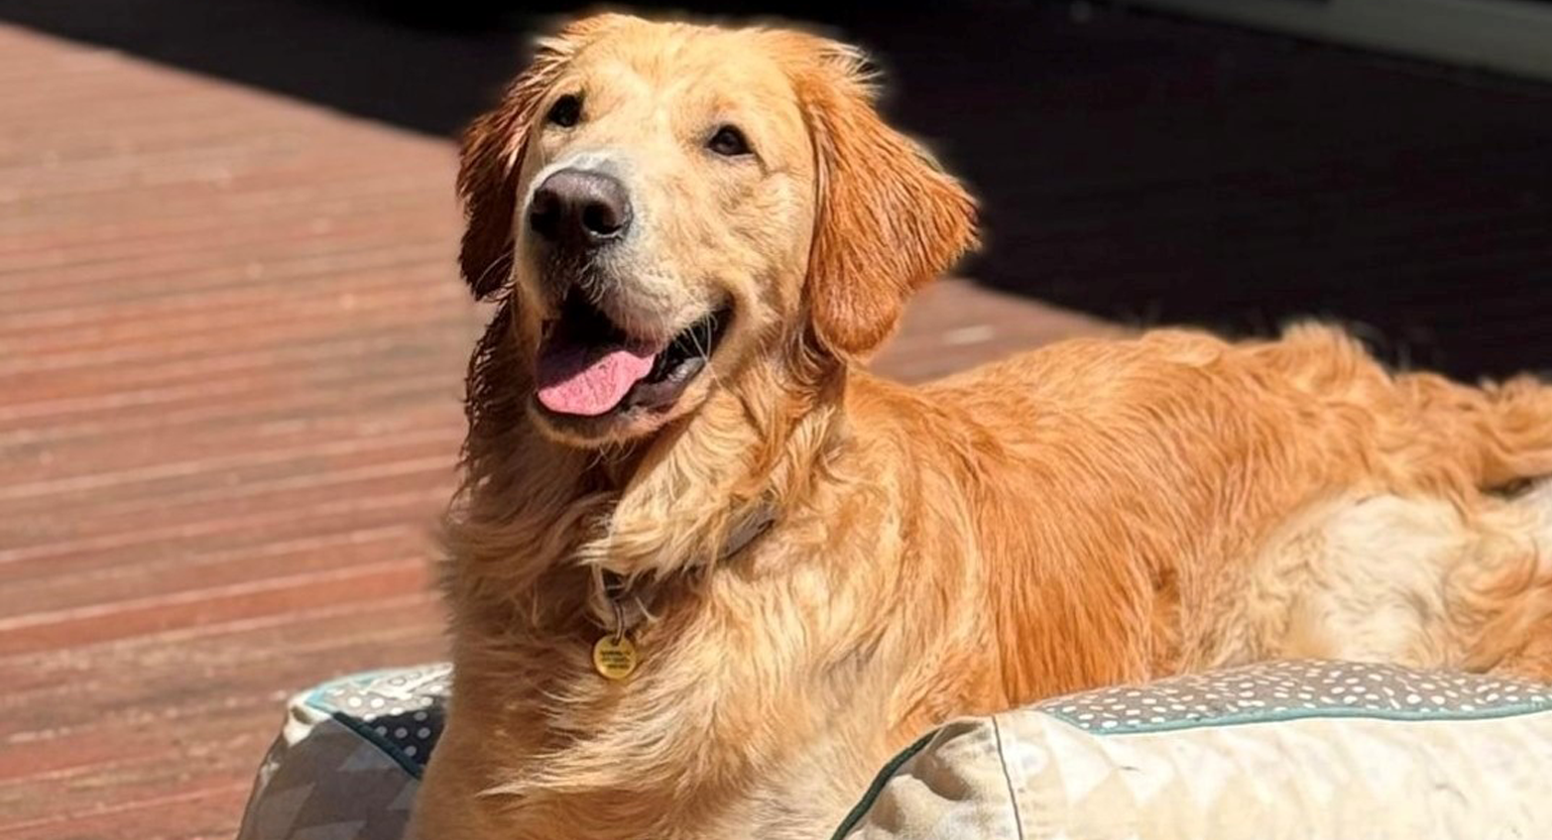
{"x":619,"y":604}
{"x":689,"y":495}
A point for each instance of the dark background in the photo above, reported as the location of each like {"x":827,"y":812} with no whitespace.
{"x":1140,"y":167}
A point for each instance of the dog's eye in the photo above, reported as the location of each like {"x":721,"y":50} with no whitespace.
{"x":728,"y":141}
{"x":566,"y":111}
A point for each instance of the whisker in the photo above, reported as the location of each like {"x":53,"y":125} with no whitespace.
{"x":501,"y":263}
{"x":705,"y":349}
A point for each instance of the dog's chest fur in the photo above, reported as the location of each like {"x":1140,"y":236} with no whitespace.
{"x":706,"y":739}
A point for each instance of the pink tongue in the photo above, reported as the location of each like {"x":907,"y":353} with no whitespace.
{"x":576,"y":381}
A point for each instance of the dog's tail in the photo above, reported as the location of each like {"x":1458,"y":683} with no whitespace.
{"x":1502,"y":432}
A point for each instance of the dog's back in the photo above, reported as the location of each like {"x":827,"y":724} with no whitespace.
{"x":1184,"y":502}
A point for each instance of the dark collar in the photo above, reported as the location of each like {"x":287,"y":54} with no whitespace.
{"x":626,"y":607}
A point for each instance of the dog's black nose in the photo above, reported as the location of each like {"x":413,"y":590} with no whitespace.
{"x":579,"y":208}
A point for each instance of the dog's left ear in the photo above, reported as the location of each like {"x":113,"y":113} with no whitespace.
{"x":889,"y":219}
{"x":492,"y":153}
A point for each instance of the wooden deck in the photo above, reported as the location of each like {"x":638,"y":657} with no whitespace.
{"x":231,"y":353}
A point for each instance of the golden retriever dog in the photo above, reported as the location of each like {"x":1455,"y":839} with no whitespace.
{"x":707,"y":573}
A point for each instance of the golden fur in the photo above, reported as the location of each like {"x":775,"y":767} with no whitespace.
{"x":1096,"y":511}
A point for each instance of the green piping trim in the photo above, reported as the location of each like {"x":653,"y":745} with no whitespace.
{"x":363,"y":729}
{"x":360,"y":727}
{"x":859,"y":810}
{"x":1240,"y":719}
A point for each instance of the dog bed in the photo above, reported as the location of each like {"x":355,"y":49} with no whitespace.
{"x":1282,"y":750}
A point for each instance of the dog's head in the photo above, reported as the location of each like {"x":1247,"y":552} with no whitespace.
{"x":661,"y":202}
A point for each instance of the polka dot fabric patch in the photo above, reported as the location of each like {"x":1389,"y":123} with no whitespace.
{"x":401,"y":711}
{"x":1288,"y":690}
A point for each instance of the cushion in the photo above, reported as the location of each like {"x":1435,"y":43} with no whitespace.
{"x":1307,"y":750}
{"x":349,"y":759}
{"x":1296,"y":750}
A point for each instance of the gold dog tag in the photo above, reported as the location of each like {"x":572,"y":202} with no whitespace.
{"x":614,"y":657}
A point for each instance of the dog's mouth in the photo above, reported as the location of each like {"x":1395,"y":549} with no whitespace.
{"x":589,"y":366}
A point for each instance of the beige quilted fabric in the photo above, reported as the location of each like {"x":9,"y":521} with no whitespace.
{"x":1374,"y":753}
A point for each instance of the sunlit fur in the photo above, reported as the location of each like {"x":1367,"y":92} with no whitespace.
{"x":1096,"y":511}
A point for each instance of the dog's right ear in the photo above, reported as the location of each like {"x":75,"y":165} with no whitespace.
{"x":492,"y":154}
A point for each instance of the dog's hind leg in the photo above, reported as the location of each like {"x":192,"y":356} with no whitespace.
{"x":1499,"y":590}
{"x":1519,"y":640}
{"x":1413,"y":581}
